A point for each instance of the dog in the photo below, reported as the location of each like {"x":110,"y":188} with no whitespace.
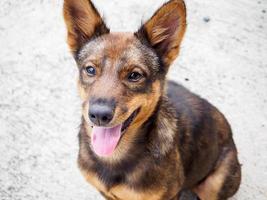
{"x":143,"y":137}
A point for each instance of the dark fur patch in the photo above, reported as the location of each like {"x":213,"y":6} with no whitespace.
{"x":100,"y":29}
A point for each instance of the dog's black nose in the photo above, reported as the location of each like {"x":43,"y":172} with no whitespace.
{"x":100,"y":114}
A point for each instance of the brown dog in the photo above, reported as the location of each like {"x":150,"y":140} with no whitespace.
{"x":142,"y":137}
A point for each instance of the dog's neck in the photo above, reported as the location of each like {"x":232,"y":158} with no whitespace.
{"x":162,"y":129}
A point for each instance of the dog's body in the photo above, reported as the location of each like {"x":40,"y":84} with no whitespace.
{"x":143,"y":138}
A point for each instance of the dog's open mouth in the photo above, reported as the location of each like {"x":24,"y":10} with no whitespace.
{"x":128,"y":121}
{"x":104,"y":140}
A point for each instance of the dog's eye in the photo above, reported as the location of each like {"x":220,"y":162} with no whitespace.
{"x":90,"y":70}
{"x":134,"y":76}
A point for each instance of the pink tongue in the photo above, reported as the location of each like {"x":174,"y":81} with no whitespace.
{"x":104,"y":140}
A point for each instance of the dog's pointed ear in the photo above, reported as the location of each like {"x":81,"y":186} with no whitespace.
{"x":164,"y":31}
{"x":83,"y":22}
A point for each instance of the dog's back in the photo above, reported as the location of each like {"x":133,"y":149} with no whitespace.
{"x":204,"y":133}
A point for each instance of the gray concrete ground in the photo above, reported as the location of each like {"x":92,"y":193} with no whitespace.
{"x":223,"y":58}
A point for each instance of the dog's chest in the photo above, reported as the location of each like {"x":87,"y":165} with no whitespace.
{"x":125,"y":192}
{"x":122,"y":191}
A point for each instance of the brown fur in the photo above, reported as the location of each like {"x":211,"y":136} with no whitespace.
{"x":167,"y":28}
{"x":178,"y":141}
{"x":82,"y":20}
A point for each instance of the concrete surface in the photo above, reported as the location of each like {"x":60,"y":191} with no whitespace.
{"x":223,"y":58}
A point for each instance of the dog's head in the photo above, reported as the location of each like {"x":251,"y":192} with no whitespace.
{"x":121,"y":75}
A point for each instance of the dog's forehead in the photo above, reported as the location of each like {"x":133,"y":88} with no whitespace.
{"x":117,"y":46}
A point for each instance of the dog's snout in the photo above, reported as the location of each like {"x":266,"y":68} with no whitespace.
{"x":101,"y":114}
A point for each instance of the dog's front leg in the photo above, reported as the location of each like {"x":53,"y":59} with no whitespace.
{"x":186,"y":195}
{"x":107,"y":197}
